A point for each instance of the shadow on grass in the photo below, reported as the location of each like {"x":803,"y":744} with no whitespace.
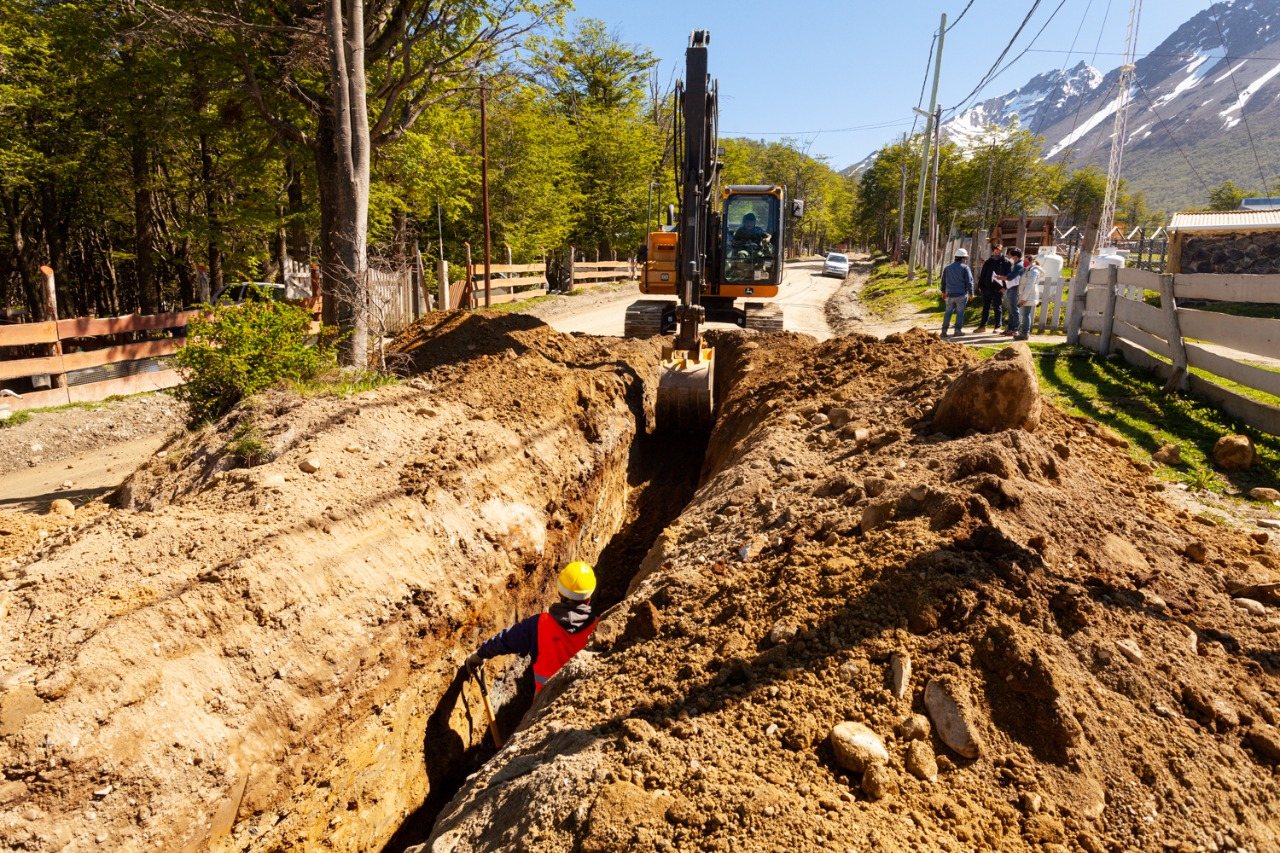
{"x":1131,"y":402}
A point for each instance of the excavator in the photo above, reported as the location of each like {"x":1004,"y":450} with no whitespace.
{"x":723,"y":244}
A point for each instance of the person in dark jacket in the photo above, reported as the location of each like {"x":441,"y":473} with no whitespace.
{"x":991,"y":287}
{"x":552,"y":637}
{"x":957,"y":288}
{"x":1011,"y":292}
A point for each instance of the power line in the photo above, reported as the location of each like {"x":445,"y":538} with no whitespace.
{"x":1040,"y":114}
{"x":1243,"y":117}
{"x":1164,"y":125}
{"x":1098,"y":53}
{"x":999,"y":59}
{"x":961,"y":15}
{"x":1011,"y":62}
{"x":924,"y":81}
{"x":1075,"y":117}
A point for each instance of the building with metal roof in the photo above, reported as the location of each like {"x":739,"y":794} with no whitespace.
{"x":1233,"y":241}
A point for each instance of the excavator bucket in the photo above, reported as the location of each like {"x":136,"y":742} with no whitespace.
{"x":685,"y":396}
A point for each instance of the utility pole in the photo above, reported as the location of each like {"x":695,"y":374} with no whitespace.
{"x":924,"y":160}
{"x":484,"y":181}
{"x":902,"y":203}
{"x":933,"y":194}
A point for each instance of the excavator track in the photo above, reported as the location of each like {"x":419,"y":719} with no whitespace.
{"x":644,"y":318}
{"x":763,"y":317}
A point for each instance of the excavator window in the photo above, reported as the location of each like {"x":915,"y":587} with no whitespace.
{"x":750,"y":238}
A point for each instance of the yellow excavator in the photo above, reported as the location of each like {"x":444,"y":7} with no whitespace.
{"x":722,"y":245}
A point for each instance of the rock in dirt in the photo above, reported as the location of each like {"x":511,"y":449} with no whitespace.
{"x":1130,"y":650}
{"x":62,"y":506}
{"x":952,"y":717}
{"x":310,"y":465}
{"x":878,"y":782}
{"x":1234,"y":453}
{"x":1196,"y":551}
{"x":876,"y":515}
{"x":920,"y":761}
{"x":1257,"y":608}
{"x":856,"y":746}
{"x":1265,"y":741}
{"x":1168,"y":454}
{"x":1262,"y":493}
{"x":899,"y":674}
{"x":998,"y":394}
{"x":915,"y":727}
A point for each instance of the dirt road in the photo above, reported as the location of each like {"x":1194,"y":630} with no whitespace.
{"x":803,"y":297}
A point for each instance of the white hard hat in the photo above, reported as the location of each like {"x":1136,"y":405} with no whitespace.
{"x":962,"y":253}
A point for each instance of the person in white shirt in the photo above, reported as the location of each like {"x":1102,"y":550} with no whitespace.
{"x":1028,"y":295}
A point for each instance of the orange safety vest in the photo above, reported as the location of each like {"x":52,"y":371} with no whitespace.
{"x":556,"y":647}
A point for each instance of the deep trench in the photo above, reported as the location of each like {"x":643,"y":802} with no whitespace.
{"x":663,"y":472}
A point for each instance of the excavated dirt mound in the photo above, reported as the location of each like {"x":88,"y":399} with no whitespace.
{"x":1076,"y":639}
{"x":267,"y":657}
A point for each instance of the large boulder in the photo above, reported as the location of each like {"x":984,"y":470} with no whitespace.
{"x":1234,"y":453}
{"x":1001,"y":393}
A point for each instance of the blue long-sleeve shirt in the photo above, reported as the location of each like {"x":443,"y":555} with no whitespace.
{"x":957,"y":280}
{"x":522,"y":637}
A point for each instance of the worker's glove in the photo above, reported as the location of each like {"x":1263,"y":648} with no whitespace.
{"x":473,"y":663}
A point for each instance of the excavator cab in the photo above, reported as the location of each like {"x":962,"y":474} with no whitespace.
{"x":751,"y":249}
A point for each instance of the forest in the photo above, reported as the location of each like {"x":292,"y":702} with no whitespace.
{"x":152,"y":151}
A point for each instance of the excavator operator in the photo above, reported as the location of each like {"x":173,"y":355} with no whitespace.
{"x":552,"y":637}
{"x":749,"y":233}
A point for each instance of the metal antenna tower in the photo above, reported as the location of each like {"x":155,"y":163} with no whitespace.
{"x":1120,"y":128}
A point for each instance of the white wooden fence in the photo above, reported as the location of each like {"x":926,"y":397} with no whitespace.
{"x":1174,"y":341}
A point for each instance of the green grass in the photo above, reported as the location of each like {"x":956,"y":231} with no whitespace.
{"x":887,"y":291}
{"x":16,"y":418}
{"x":341,"y":383}
{"x":25,"y":415}
{"x":1129,"y":401}
{"x":247,"y":444}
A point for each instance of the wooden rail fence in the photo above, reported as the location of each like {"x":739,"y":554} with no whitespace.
{"x":1173,"y":340}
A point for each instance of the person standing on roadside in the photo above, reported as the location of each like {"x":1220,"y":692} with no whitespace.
{"x":1011,"y":292}
{"x":957,"y":288}
{"x":991,"y":287}
{"x":1028,"y":296}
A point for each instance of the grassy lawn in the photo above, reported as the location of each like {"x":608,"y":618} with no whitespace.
{"x":887,"y":292}
{"x":1130,"y":402}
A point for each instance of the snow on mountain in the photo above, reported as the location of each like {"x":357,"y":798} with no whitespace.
{"x":1038,"y":104}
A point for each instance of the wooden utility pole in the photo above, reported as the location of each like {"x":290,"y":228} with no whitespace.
{"x":902,"y":204}
{"x":484,"y":181}
{"x":933,"y":195}
{"x":57,"y":380}
{"x":924,"y":160}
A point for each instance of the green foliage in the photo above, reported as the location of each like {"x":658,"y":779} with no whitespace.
{"x":888,"y":292}
{"x":1227,"y":196}
{"x":239,"y":350}
{"x":16,"y":418}
{"x":248,"y":445}
{"x":341,"y":383}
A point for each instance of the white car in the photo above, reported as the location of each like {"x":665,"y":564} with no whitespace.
{"x":837,"y":265}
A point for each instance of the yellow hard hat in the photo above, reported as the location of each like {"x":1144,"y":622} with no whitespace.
{"x":577,"y":581}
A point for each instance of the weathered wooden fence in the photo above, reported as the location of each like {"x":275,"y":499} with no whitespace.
{"x":1184,"y":344}
{"x":74,"y":375}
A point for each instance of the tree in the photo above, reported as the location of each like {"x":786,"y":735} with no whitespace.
{"x":1227,"y":196}
{"x":343,"y":78}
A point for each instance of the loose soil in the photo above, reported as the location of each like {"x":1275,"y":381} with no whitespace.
{"x":267,"y":658}
{"x":1086,"y":628}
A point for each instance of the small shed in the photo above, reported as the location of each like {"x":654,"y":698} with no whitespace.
{"x":1228,"y":242}
{"x":1028,"y":232}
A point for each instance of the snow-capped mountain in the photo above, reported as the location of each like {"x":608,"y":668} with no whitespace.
{"x":1204,"y":108}
{"x":1045,"y":100}
{"x":1195,"y":102}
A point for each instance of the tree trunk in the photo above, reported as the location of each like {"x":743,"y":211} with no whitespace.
{"x":342,"y":165}
{"x":211,"y":215}
{"x":144,"y":265}
{"x":296,"y":227}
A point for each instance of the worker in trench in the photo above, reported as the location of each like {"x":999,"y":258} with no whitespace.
{"x":552,"y":637}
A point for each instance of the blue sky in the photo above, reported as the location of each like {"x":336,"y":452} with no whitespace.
{"x":793,"y":68}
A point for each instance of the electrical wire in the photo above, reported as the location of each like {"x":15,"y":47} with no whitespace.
{"x":1243,"y":117}
{"x":1041,"y":113}
{"x":924,"y":82}
{"x":999,"y":59}
{"x":963,"y":12}
{"x":1013,"y":61}
{"x":1164,"y":125}
{"x":1075,"y":117}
